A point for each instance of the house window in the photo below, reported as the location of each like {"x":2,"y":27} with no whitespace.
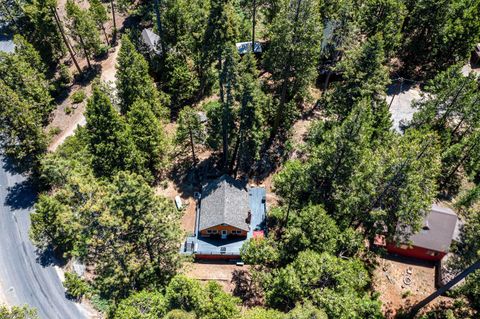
{"x":209,"y":231}
{"x":214,"y":231}
{"x":432,"y":253}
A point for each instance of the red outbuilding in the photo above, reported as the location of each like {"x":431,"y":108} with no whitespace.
{"x":433,"y":241}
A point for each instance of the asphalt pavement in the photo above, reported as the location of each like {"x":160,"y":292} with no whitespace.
{"x":27,"y":277}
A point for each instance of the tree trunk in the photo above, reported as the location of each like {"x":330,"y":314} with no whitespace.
{"x":114,"y":34}
{"x":105,"y":33}
{"x":65,"y":40}
{"x":253,"y":24}
{"x":192,"y":145}
{"x":159,"y":25}
{"x":85,"y":51}
{"x":442,"y":290}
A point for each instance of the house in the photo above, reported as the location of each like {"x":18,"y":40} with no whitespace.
{"x":151,"y":40}
{"x":245,"y":47}
{"x":228,"y":213}
{"x":433,"y":241}
{"x":224,"y":209}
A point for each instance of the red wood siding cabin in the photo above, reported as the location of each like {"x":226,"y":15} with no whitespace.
{"x":224,"y":210}
{"x":433,"y":241}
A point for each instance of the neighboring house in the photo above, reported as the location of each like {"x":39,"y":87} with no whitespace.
{"x":151,"y":40}
{"x":433,"y":241}
{"x":245,"y":47}
{"x":228,"y":213}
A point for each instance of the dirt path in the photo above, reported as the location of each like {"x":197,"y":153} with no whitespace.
{"x":68,"y":123}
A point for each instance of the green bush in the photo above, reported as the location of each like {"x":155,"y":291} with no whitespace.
{"x":65,"y":77}
{"x":78,"y":97}
{"x":76,"y":287}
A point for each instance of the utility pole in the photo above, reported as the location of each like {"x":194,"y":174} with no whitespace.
{"x":443,"y":289}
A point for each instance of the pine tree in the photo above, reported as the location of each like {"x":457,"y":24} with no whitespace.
{"x":190,"y":132}
{"x":365,"y":76}
{"x":110,"y":142}
{"x":149,"y":137}
{"x":99,"y":15}
{"x":134,"y":82}
{"x":134,"y":245}
{"x":220,"y":34}
{"x":21,"y":132}
{"x":293,"y":55}
{"x":385,"y":17}
{"x":46,"y":36}
{"x":450,"y":109}
{"x":84,"y":30}
{"x":438,"y":34}
{"x":251,"y":133}
{"x":228,"y":84}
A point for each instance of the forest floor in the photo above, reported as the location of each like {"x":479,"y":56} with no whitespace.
{"x":68,"y":116}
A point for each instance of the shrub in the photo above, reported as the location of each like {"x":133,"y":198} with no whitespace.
{"x":76,"y":287}
{"x":78,"y":96}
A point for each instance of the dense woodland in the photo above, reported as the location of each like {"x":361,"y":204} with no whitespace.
{"x":354,"y":177}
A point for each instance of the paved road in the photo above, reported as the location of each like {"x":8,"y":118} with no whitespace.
{"x":25,"y":278}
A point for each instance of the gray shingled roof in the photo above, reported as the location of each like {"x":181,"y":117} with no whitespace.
{"x":151,"y":39}
{"x":224,"y":201}
{"x":438,"y":230}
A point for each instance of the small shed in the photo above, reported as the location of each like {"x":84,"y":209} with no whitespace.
{"x":433,"y":241}
{"x":245,"y":47}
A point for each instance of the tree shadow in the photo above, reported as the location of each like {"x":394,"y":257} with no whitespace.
{"x":21,"y":196}
{"x":246,"y":289}
{"x":48,"y":257}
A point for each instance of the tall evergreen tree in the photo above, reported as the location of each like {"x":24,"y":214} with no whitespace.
{"x":365,"y":76}
{"x":84,"y":30}
{"x":133,"y":80}
{"x":149,"y":137}
{"x":21,"y":131}
{"x":450,"y":108}
{"x":220,"y":34}
{"x":251,"y":131}
{"x":190,"y":132}
{"x":134,"y":245}
{"x":110,"y":143}
{"x":439,"y":34}
{"x":293,"y":55}
{"x":45,"y":36}
{"x":99,"y":14}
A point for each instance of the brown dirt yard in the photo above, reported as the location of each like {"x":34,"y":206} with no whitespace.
{"x":397,"y":291}
{"x":208,"y":271}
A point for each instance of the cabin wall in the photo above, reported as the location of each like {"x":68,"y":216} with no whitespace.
{"x":216,"y":231}
{"x":416,"y":252}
